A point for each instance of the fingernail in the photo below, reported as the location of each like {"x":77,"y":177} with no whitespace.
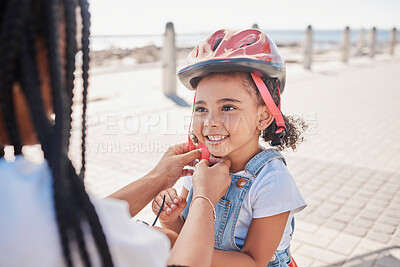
{"x":173,"y":206}
{"x":169,"y":210}
{"x":200,"y":149}
{"x":176,"y":201}
{"x":163,"y":212}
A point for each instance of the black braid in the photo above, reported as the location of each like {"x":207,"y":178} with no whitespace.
{"x":60,"y":184}
{"x":11,"y":33}
{"x":64,"y":215}
{"x":93,"y":219}
{"x":71,"y":201}
{"x":85,"y":75}
{"x":30,"y":85}
{"x":10,"y":120}
{"x":70,"y":8}
{"x":70,"y":15}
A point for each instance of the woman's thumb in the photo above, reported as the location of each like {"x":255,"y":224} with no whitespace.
{"x":190,"y":156}
{"x":224,"y":163}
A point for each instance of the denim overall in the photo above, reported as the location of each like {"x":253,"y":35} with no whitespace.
{"x":228,"y":208}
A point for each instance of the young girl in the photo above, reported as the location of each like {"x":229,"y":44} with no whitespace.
{"x":238,"y":77}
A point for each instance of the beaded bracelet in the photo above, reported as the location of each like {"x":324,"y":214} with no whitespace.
{"x":209,"y":201}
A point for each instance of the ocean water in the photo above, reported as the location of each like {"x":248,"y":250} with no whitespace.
{"x":322,"y":39}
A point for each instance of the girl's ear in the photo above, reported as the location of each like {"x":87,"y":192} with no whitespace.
{"x":265,"y":118}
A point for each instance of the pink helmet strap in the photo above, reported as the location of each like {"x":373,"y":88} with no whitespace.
{"x":266,"y":96}
{"x":205,"y":153}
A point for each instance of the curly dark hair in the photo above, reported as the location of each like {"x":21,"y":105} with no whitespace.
{"x":297,"y":126}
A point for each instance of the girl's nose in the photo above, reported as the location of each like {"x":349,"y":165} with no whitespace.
{"x":212,"y":120}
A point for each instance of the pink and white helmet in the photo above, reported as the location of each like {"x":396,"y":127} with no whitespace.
{"x":225,"y":50}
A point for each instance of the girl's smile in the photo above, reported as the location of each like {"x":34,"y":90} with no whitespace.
{"x":215,"y":140}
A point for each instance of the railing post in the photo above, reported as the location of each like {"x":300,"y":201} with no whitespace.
{"x":372,"y":42}
{"x":346,"y":44}
{"x":308,"y":48}
{"x":392,"y":41}
{"x":169,"y":61}
{"x":360,"y":43}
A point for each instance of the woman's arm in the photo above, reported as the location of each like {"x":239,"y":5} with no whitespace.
{"x":164,"y":175}
{"x":262,"y":240}
{"x":195,"y":243}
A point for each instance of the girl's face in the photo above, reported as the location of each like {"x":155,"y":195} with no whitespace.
{"x":227,"y":119}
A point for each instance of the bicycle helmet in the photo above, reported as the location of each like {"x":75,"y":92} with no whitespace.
{"x":234,"y":50}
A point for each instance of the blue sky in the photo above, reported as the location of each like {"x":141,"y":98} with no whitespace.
{"x":120,"y":17}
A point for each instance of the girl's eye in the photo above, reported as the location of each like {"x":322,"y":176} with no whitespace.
{"x":200,"y":109}
{"x":227,"y":108}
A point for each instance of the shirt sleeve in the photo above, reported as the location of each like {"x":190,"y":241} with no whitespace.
{"x":274,"y":194}
{"x":187,"y":182}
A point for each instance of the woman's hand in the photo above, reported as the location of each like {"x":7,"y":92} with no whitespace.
{"x":211,"y":181}
{"x":168,"y":170}
{"x":173,"y":206}
{"x":170,"y":167}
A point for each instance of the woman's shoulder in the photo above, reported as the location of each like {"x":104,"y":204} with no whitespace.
{"x":21,"y":168}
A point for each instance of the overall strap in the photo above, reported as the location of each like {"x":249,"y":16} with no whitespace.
{"x":255,"y":165}
{"x":185,"y":212}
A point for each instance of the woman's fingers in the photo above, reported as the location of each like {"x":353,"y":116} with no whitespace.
{"x":181,"y":204}
{"x":169,"y":203}
{"x":187,"y":172}
{"x":157,"y":203}
{"x":216,"y":186}
{"x":214,"y":160}
{"x":158,"y":200}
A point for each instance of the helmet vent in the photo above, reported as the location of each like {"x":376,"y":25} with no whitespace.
{"x":246,"y":41}
{"x":216,"y":44}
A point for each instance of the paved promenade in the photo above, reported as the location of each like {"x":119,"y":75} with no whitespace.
{"x":348,"y":169}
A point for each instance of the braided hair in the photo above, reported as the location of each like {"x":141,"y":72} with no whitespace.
{"x":22,"y":23}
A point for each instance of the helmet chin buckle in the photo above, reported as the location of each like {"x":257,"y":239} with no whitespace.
{"x":277,"y":138}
